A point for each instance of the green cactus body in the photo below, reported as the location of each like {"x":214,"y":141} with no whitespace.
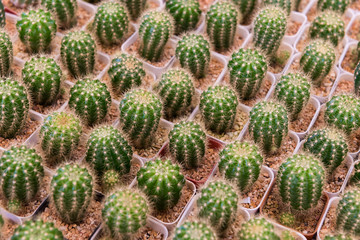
{"x":347,"y":212}
{"x":78,"y":53}
{"x":221,"y":22}
{"x":14,"y":107}
{"x":155,"y":30}
{"x":287,"y":219}
{"x":193,"y":53}
{"x":187,"y":144}
{"x":358,"y":51}
{"x":21,"y":174}
{"x":110,"y":180}
{"x":2,"y":15}
{"x":218,"y":107}
{"x":293,"y":90}
{"x":194,"y":231}
{"x":241,"y":162}
{"x":287,"y":235}
{"x":301,"y":181}
{"x":339,"y":6}
{"x":60,"y":135}
{"x":64,"y":10}
{"x":6,"y":54}
{"x":71,"y":192}
{"x":91,"y":100}
{"x":39,"y":230}
{"x":125,"y":213}
{"x":328,"y":26}
{"x":257,"y":229}
{"x":140,"y":113}
{"x":357,"y":79}
{"x":135,"y":7}
{"x":162,"y":182}
{"x":247,"y":69}
{"x":284,"y":4}
{"x":37,"y":29}
{"x":337,"y":237}
{"x":269,"y":29}
{"x":246,"y":7}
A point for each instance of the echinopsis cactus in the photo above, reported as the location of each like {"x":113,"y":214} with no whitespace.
{"x":2,"y":15}
{"x":333,"y":5}
{"x":287,"y":219}
{"x":338,"y":237}
{"x":135,"y":7}
{"x":268,"y":125}
{"x":257,"y":228}
{"x":240,"y":163}
{"x":221,"y":22}
{"x":293,"y":90}
{"x":284,"y":4}
{"x":347,"y":212}
{"x":162,"y":182}
{"x":43,"y":78}
{"x":71,"y":192}
{"x":140,"y":113}
{"x":192,"y":230}
{"x":218,"y":106}
{"x":187,"y":144}
{"x":193,"y":53}
{"x":64,"y":10}
{"x":269,"y":29}
{"x":247,"y":69}
{"x":301,"y":181}
{"x":37,"y":29}
{"x":37,"y":230}
{"x":78,"y":53}
{"x":91,"y":100}
{"x":156,"y":28}
{"x":6,"y":54}
{"x":111,"y":23}
{"x":125,"y":213}
{"x":14,"y":107}
{"x":246,"y":7}
{"x":357,"y":79}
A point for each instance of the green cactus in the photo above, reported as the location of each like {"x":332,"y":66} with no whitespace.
{"x":218,"y":106}
{"x":357,"y":79}
{"x":135,"y":7}
{"x":91,"y":100}
{"x":65,"y":11}
{"x":287,"y":235}
{"x":110,"y":180}
{"x":221,"y":22}
{"x":355,"y":177}
{"x":6,"y":54}
{"x":328,"y":26}
{"x":247,"y":69}
{"x":162,"y":182}
{"x":39,"y":230}
{"x":37,"y":28}
{"x":14,"y":107}
{"x":140,"y":113}
{"x":241,"y":162}
{"x":337,"y":237}
{"x":284,"y":4}
{"x":347,"y":212}
{"x":194,"y":230}
{"x":2,"y":15}
{"x":193,"y":53}
{"x":269,"y":29}
{"x":358,"y":51}
{"x":246,"y":7}
{"x":257,"y":228}
{"x":293,"y":90}
{"x":156,"y":28}
{"x":187,"y":144}
{"x":301,"y":181}
{"x":268,"y":125}
{"x":78,"y":53}
{"x":71,"y":192}
{"x":339,"y":6}
{"x":125,"y":213}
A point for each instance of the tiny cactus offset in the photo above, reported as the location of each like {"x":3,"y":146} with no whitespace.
{"x":284,"y":4}
{"x":64,"y":10}
{"x":37,"y":230}
{"x":24,"y":3}
{"x":135,"y":7}
{"x":6,"y":54}
{"x":348,"y":211}
{"x":110,"y":180}
{"x":287,"y":219}
{"x":194,"y":230}
{"x":339,"y":6}
{"x":257,"y":228}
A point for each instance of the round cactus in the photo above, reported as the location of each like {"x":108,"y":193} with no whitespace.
{"x":162,"y":182}
{"x":337,"y":237}
{"x":257,"y":228}
{"x":301,"y":181}
{"x":6,"y":54}
{"x":78,"y":53}
{"x":284,"y":4}
{"x":43,"y":78}
{"x":348,"y":211}
{"x":194,"y":231}
{"x":247,"y":69}
{"x":37,"y":28}
{"x":357,"y":79}
{"x":287,"y":235}
{"x":187,"y":144}
{"x":246,"y":7}
{"x":193,"y":53}
{"x":339,"y":6}
{"x":135,"y":7}
{"x":71,"y":192}
{"x":110,"y":180}
{"x":218,"y":106}
{"x":64,"y":10}
{"x":37,"y":230}
{"x":91,"y":100}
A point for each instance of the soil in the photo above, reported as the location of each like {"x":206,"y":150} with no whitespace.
{"x":344,"y":87}
{"x":355,"y":5}
{"x":128,"y":178}
{"x":303,"y":4}
{"x":350,"y":60}
{"x":293,"y":28}
{"x":304,"y":119}
{"x":238,"y":42}
{"x":159,"y":139}
{"x":8,"y":230}
{"x":329,"y":224}
{"x":205,"y":4}
{"x":354,"y":32}
{"x":145,"y":234}
{"x":82,"y":17}
{"x":10,"y":28}
{"x":336,"y":180}
{"x":16,"y":71}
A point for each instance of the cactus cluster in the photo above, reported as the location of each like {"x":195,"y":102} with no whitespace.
{"x":135,"y":7}
{"x":284,"y":4}
{"x":347,"y":212}
{"x":37,"y":230}
{"x":246,"y":7}
{"x":65,"y":11}
{"x":194,"y":230}
{"x":339,"y":6}
{"x":257,"y":228}
{"x":357,"y":78}
{"x":6,"y":54}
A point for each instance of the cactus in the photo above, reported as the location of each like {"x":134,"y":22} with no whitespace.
{"x":14,"y":107}
{"x":156,"y":28}
{"x":43,"y":78}
{"x":71,"y":192}
{"x":268,"y":125}
{"x":337,"y":237}
{"x":2,"y":15}
{"x":269,"y":29}
{"x":125,"y":213}
{"x":110,"y":179}
{"x":293,"y":90}
{"x":140,"y":113}
{"x":65,"y":11}
{"x":257,"y":228}
{"x":247,"y":69}
{"x":187,"y":144}
{"x":162,"y":182}
{"x":347,"y":212}
{"x":339,"y":6}
{"x":193,"y":53}
{"x":241,"y":162}
{"x":343,"y":112}
{"x":301,"y":180}
{"x":37,"y":230}
{"x":194,"y":231}
{"x":60,"y":135}
{"x":358,"y":51}
{"x":135,"y":7}
{"x":284,"y":4}
{"x":78,"y":53}
{"x":317,"y":60}
{"x":218,"y":106}
{"x":91,"y":100}
{"x":328,"y":26}
{"x":111,"y":23}
{"x":287,"y":235}
{"x":221,"y":22}
{"x":6,"y":54}
{"x":37,"y":28}
{"x":355,"y":177}
{"x":246,"y":7}
{"x":357,"y":79}
{"x":287,"y":219}
{"x":176,"y":90}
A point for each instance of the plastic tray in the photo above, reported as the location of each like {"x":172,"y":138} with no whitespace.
{"x":347,"y":47}
{"x":332,"y":203}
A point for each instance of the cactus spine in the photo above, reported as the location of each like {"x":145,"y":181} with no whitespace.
{"x":37,"y":230}
{"x":339,"y":6}
{"x":64,"y":10}
{"x":194,"y":231}
{"x":348,"y":211}
{"x":135,"y":7}
{"x":284,"y":4}
{"x":257,"y":228}
{"x":6,"y":54}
